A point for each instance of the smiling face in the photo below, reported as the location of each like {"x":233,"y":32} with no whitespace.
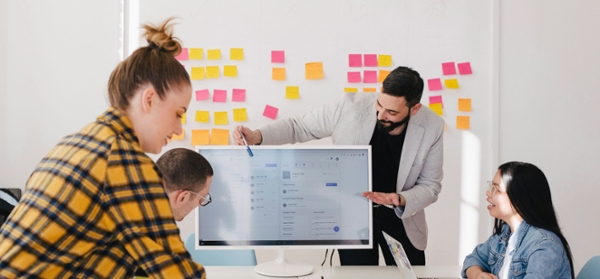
{"x":499,"y":203}
{"x":392,"y":112}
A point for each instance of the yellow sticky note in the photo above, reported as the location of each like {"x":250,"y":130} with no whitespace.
{"x":314,"y":70}
{"x":437,"y":108}
{"x":197,"y":73}
{"x":382,"y":75}
{"x":464,"y":104}
{"x":451,"y":83}
{"x":240,"y":115}
{"x":278,"y":74}
{"x":369,"y":89}
{"x":230,"y":71}
{"x":183,"y":118}
{"x":236,"y":54}
{"x":196,"y":53}
{"x":463,"y":122}
{"x":384,"y":60}
{"x":221,"y":118}
{"x":212,"y":72}
{"x":202,"y":116}
{"x":200,"y":137}
{"x":180,"y":136}
{"x":219,"y":137}
{"x":292,"y":92}
{"x":214,"y":54}
{"x":351,"y":89}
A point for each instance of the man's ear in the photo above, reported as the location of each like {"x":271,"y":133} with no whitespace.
{"x":415,"y":109}
{"x":181,"y":196}
{"x":147,"y":99}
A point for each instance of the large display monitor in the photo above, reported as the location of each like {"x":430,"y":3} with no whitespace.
{"x":286,"y":197}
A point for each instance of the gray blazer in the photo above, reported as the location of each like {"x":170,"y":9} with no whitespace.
{"x":351,"y":121}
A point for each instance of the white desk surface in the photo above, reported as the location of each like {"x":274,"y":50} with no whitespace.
{"x":336,"y":272}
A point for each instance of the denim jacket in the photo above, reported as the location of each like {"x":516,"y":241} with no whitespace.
{"x":538,"y":253}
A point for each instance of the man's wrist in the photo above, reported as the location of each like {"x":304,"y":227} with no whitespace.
{"x":401,"y":200}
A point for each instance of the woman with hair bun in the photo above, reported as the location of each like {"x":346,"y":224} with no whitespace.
{"x":95,"y":206}
{"x":527,"y":241}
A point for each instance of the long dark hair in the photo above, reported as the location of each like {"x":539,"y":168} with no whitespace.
{"x":529,"y":192}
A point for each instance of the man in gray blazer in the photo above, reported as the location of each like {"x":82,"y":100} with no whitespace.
{"x":407,"y":158}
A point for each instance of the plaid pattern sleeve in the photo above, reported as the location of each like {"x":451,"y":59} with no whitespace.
{"x":95,"y":207}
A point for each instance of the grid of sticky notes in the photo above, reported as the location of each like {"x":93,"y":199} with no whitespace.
{"x":363,"y":69}
{"x":450,"y":81}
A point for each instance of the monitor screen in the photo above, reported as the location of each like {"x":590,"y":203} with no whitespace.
{"x":291,"y":196}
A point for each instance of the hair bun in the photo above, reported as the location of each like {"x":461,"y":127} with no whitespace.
{"x":161,"y":37}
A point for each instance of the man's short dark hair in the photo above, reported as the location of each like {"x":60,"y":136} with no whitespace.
{"x":404,"y":82}
{"x":184,"y":169}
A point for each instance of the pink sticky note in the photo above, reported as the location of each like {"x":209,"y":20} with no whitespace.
{"x":371,"y":60}
{"x":277,"y":56}
{"x":202,"y":95}
{"x":355,"y":60}
{"x":183,"y":55}
{"x":448,"y":68}
{"x":354,"y":77}
{"x":434,"y":84}
{"x":464,"y":68}
{"x":220,"y":96}
{"x":270,"y":112}
{"x":239,"y":95}
{"x":436,"y":100}
{"x":370,"y":77}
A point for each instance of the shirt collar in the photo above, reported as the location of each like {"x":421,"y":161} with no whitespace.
{"x":119,"y":122}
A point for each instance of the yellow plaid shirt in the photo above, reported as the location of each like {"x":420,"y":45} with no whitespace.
{"x":95,"y":207}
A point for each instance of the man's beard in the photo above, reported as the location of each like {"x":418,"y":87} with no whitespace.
{"x":393,"y":125}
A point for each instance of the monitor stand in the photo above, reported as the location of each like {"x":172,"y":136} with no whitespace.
{"x":283,"y":268}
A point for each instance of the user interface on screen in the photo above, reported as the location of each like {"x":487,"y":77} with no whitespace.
{"x":287,"y":196}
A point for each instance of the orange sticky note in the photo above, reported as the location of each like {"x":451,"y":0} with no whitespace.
{"x":221,"y":118}
{"x":351,"y":89}
{"x":198,"y":73}
{"x":236,"y":54}
{"x":314,"y":70}
{"x":219,"y":137}
{"x":464,"y":104}
{"x":183,"y":118}
{"x":214,"y":54}
{"x":180,"y":136}
{"x":463,"y":122}
{"x":278,"y":74}
{"x":369,"y":89}
{"x":451,"y":83}
{"x":240,"y":115}
{"x":200,"y":137}
{"x":384,"y":60}
{"x":202,"y":116}
{"x":292,"y":92}
{"x":437,"y":108}
{"x":230,"y":71}
{"x":212,"y":72}
{"x":196,"y":53}
{"x":382,"y":75}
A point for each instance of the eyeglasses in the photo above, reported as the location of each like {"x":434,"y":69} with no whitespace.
{"x":205,"y":200}
{"x":493,"y":188}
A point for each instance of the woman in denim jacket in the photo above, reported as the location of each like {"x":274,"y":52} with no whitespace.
{"x":519,"y":199}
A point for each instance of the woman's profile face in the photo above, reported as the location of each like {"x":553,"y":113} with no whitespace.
{"x":499,"y":205}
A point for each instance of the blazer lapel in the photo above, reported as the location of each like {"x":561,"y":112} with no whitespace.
{"x":412,"y":141}
{"x":365,"y":125}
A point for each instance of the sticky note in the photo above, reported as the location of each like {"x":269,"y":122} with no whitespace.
{"x":270,"y":112}
{"x":277,"y":56}
{"x":183,"y":55}
{"x":196,"y":53}
{"x":369,"y":89}
{"x":434,"y":84}
{"x":238,"y":95}
{"x":240,"y":115}
{"x":220,"y":96}
{"x":463,"y":122}
{"x":200,"y":137}
{"x":384,"y":60}
{"x":371,"y":60}
{"x":236,"y":54}
{"x":278,"y":74}
{"x":183,"y":118}
{"x":351,"y":89}
{"x":230,"y":70}
{"x":436,"y":100}
{"x":214,"y":54}
{"x":464,"y":104}
{"x":314,"y":70}
{"x":202,"y":116}
{"x":464,"y":68}
{"x":212,"y":72}
{"x":355,"y":60}
{"x":221,"y":118}
{"x":451,"y":83}
{"x":178,"y":137}
{"x":370,"y":77}
{"x":219,"y":137}
{"x":292,"y":92}
{"x":354,"y":77}
{"x":197,"y":73}
{"x":202,"y":95}
{"x":448,"y":68}
{"x":382,"y":75}
{"x":437,"y":108}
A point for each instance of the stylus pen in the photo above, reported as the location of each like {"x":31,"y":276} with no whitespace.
{"x":246,"y":143}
